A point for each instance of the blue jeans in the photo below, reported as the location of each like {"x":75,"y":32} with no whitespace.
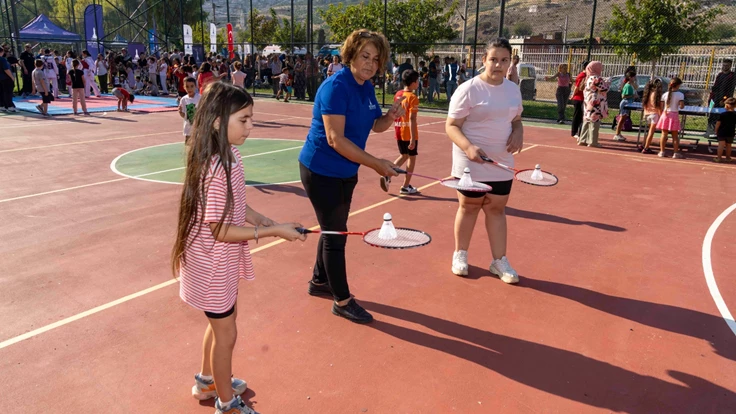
{"x":450,"y":89}
{"x":433,"y":86}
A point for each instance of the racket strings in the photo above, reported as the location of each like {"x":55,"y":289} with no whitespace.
{"x":542,"y":178}
{"x":405,"y":238}
{"x":475,"y":186}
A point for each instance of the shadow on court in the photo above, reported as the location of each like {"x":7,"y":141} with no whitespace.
{"x":533,"y":215}
{"x":557,"y":371}
{"x":277,"y":124}
{"x":696,"y":324}
{"x":269,"y":189}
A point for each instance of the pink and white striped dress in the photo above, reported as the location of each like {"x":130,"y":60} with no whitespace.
{"x":211,"y":270}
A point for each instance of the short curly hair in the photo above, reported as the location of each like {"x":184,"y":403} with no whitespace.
{"x":357,"y":40}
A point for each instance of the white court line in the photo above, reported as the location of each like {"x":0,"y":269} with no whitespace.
{"x":181,"y":168}
{"x":708,"y":270}
{"x":61,"y":190}
{"x":162,"y":285}
{"x":86,"y":142}
{"x":127,"y":177}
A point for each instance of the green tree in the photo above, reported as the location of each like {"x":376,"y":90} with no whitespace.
{"x":264,"y":28}
{"x":652,"y":28}
{"x":523,"y":29}
{"x":413,"y":26}
{"x":342,"y":20}
{"x":282,"y":37}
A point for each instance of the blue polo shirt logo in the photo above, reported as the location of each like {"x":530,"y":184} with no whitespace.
{"x":340,"y":94}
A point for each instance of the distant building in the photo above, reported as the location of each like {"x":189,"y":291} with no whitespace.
{"x":547,"y":43}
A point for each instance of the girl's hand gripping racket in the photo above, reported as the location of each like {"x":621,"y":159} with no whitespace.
{"x":386,"y":237}
{"x":465,"y":183}
{"x":533,"y":176}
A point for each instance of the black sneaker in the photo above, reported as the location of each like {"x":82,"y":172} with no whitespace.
{"x":319,"y":290}
{"x":385,"y":182}
{"x":352,"y":312}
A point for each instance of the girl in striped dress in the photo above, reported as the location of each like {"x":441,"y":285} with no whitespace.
{"x":211,"y":251}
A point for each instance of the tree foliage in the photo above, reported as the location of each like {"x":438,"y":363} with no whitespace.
{"x":282,"y":36}
{"x":412,"y":26}
{"x":652,"y":28}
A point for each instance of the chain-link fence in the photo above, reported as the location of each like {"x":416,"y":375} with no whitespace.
{"x":684,"y":41}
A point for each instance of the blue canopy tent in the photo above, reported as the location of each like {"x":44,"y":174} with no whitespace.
{"x":42,"y":29}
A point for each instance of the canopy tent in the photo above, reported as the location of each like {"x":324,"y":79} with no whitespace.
{"x":43,"y":29}
{"x":119,"y":41}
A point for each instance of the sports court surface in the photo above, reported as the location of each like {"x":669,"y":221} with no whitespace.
{"x":626,"y":267}
{"x":105,"y":103}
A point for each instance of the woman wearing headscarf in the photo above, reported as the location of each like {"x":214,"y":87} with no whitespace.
{"x":596,"y":104}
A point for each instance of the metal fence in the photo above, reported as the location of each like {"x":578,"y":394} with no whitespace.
{"x":544,"y":33}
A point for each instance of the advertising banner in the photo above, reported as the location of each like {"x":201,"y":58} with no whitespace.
{"x":93,"y":29}
{"x":213,"y":38}
{"x":188,"y":39}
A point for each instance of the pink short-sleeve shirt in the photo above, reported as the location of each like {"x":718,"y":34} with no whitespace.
{"x":211,"y":270}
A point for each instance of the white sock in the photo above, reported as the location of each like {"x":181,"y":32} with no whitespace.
{"x":226,"y":404}
{"x":207,"y":378}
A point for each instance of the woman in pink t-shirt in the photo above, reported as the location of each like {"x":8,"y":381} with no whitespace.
{"x":485,"y":119}
{"x":211,"y":252}
{"x":563,"y":91}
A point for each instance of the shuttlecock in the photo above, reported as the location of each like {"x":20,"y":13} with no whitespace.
{"x":537,"y":174}
{"x":388,"y":231}
{"x":465,"y":180}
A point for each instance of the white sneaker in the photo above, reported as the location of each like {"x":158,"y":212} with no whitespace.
{"x":460,"y":263}
{"x":577,"y":137}
{"x":678,"y":156}
{"x":619,"y":137}
{"x":660,"y":154}
{"x":408,"y":190}
{"x":502,"y":269}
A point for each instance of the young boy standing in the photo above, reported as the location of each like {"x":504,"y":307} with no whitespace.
{"x":725,"y":130}
{"x":187,"y":106}
{"x":407,"y":133}
{"x":41,"y":82}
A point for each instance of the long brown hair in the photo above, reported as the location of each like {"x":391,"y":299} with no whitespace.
{"x":218,"y":102}
{"x":653,"y":87}
{"x":675,"y":82}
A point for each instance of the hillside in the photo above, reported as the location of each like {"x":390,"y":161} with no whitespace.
{"x":544,"y":16}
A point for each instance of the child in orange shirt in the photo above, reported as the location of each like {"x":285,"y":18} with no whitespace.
{"x":407,"y":134}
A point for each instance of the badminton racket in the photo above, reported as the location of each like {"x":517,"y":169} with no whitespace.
{"x":533,"y":176}
{"x":405,"y":238}
{"x":450,"y":182}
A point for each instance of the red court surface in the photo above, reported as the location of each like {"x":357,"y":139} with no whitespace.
{"x":613,"y":312}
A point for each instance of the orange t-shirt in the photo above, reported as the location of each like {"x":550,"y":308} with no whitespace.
{"x":411,"y":106}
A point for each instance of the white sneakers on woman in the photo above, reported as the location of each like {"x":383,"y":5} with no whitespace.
{"x":502,"y":269}
{"x":499,"y":267}
{"x":460,"y":263}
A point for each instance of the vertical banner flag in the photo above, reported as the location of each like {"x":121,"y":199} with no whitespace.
{"x":93,"y":29}
{"x":188,"y":39}
{"x":152,"y":41}
{"x":213,"y":38}
{"x":240,"y":51}
{"x":230,"y":41}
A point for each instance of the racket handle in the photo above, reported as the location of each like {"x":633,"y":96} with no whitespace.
{"x":302,"y":230}
{"x":400,"y":171}
{"x":486,"y":159}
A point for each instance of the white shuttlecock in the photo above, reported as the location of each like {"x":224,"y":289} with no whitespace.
{"x":537,"y":174}
{"x":388,"y":231}
{"x":465,"y":180}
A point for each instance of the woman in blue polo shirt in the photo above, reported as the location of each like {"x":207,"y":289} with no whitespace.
{"x":345,"y":112}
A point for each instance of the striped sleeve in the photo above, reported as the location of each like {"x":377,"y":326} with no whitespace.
{"x":216,"y":192}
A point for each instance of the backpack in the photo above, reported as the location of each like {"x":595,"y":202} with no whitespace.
{"x":85,"y":65}
{"x":627,"y":124}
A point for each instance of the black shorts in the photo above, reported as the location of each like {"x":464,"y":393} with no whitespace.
{"x":729,"y":140}
{"x":283,"y":88}
{"x":404,"y":148}
{"x":501,"y":188}
{"x":220,"y":315}
{"x":47,"y":98}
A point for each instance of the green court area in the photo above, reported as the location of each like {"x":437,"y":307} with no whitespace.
{"x":266,"y":161}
